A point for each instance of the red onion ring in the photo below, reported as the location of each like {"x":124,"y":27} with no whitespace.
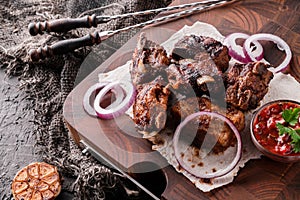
{"x":281,"y":44}
{"x":91,"y":93}
{"x":122,"y":107}
{"x":236,"y":51}
{"x":187,"y":167}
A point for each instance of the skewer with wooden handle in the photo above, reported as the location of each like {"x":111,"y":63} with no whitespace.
{"x":67,"y":24}
{"x":63,"y":25}
{"x":65,"y":46}
{"x":69,"y":45}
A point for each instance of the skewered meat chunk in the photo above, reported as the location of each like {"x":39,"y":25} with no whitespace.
{"x":247,"y":84}
{"x":150,"y":107}
{"x":219,"y":133}
{"x":149,"y":61}
{"x":191,"y":46}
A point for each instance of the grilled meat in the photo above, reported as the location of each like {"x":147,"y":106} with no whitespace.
{"x":203,"y":75}
{"x":221,"y":136}
{"x":199,"y":65}
{"x":247,"y":84}
{"x":171,"y":89}
{"x":183,"y":108}
{"x":149,"y":61}
{"x":150,"y":106}
{"x":193,"y":46}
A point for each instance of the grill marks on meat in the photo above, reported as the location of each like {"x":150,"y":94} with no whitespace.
{"x":193,"y":46}
{"x":200,"y":62}
{"x":202,"y":75}
{"x":190,"y":77}
{"x":149,"y":61}
{"x":150,"y":107}
{"x":247,"y":84}
{"x":219,"y":133}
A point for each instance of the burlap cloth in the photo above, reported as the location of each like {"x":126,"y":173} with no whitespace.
{"x":49,"y":82}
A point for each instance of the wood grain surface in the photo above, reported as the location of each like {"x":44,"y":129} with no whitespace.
{"x":122,"y":145}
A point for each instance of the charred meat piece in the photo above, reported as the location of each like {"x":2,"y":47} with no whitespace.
{"x":150,"y":107}
{"x":191,"y":46}
{"x":247,"y":84}
{"x":178,"y":83}
{"x":217,"y":133}
{"x":196,"y":77}
{"x":217,"y":51}
{"x":187,"y":47}
{"x":149,"y":61}
{"x":183,"y":108}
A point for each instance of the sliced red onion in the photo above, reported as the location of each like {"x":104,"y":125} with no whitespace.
{"x":113,"y":112}
{"x":90,"y":94}
{"x":281,"y":44}
{"x":189,"y":168}
{"x":236,"y":51}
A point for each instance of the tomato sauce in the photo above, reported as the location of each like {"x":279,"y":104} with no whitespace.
{"x":266,"y":132}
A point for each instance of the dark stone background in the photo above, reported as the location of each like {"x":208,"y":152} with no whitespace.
{"x":16,"y":137}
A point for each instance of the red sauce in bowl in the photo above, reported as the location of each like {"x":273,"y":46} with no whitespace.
{"x":265,"y":130}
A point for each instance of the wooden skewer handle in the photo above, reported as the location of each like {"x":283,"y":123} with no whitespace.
{"x":64,"y":46}
{"x":62,"y":25}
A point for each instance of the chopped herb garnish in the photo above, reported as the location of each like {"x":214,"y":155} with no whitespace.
{"x":291,"y":116}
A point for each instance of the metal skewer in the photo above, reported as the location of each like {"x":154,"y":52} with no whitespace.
{"x":154,"y":11}
{"x":67,"y":24}
{"x":169,"y":17}
{"x":69,"y":45}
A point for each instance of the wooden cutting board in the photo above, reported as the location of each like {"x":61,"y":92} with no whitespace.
{"x":119,"y":142}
